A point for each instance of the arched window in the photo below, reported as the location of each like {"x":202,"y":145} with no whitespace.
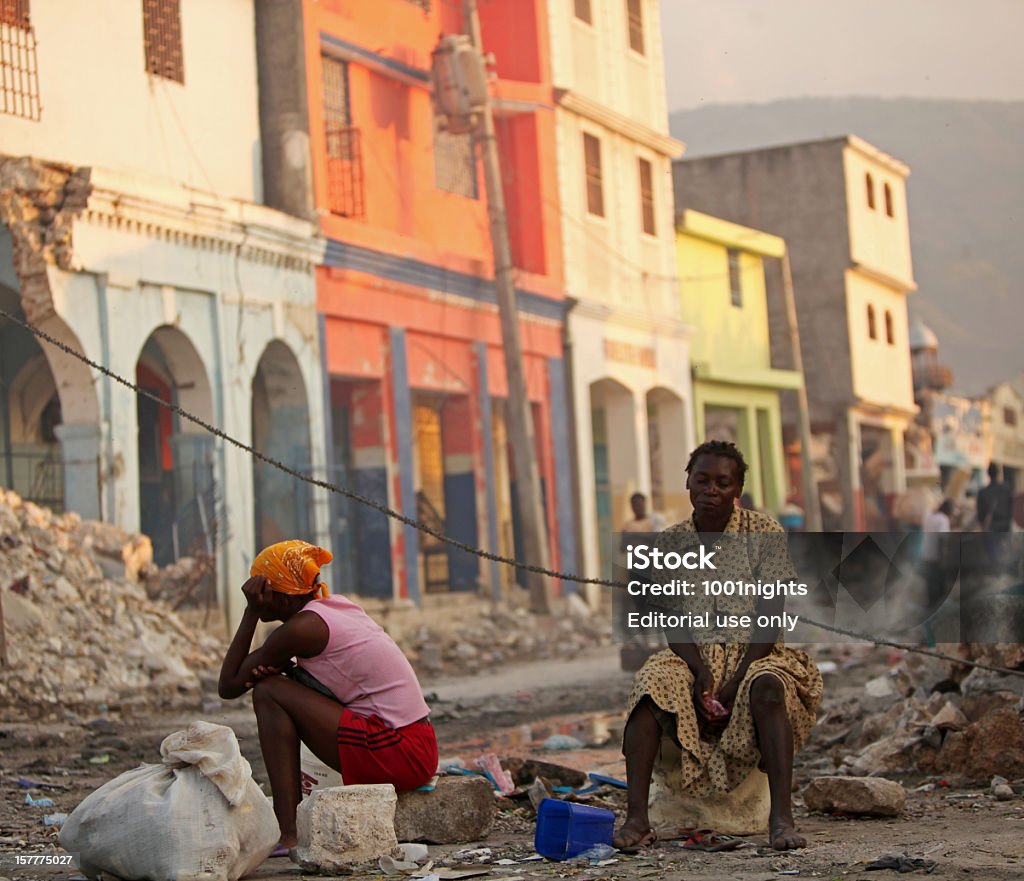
{"x":869,"y":182}
{"x":872,"y":329}
{"x":888,"y":201}
{"x":890,"y":335}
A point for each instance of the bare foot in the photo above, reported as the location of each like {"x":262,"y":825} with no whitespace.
{"x":289,"y":841}
{"x":634,"y":833}
{"x":784,"y":836}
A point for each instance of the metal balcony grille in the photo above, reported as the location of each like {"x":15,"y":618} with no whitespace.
{"x":19,"y":75}
{"x":161,"y":25}
{"x":345,"y":172}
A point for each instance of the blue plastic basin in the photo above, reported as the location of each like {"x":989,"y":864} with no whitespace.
{"x":566,"y":829}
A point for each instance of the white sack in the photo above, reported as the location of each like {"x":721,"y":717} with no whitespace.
{"x":199,"y":816}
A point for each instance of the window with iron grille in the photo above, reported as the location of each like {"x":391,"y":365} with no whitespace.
{"x":634,"y":11}
{"x":19,"y":76}
{"x":735,"y":278}
{"x":595,"y":183}
{"x":455,"y":163}
{"x":583,"y":11}
{"x":422,"y":4}
{"x":161,"y":26}
{"x":345,"y":193}
{"x":334,"y":77}
{"x":647,"y":197}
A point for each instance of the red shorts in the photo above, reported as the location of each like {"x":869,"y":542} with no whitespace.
{"x":372,"y":752}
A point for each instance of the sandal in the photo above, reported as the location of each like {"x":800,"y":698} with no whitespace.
{"x":709,"y":841}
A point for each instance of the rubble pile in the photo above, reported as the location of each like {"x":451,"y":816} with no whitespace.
{"x":498,"y":634}
{"x":80,"y":631}
{"x":927,"y":717}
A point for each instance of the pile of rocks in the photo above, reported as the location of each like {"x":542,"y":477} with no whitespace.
{"x":80,"y":631}
{"x":483,"y":635}
{"x":928,"y":717}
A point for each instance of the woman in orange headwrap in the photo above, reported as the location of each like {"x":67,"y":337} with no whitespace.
{"x":367,"y":719}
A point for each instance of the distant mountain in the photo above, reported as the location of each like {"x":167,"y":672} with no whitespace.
{"x":966,"y":193}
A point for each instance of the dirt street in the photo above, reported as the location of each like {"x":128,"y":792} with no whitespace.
{"x":965,"y":832}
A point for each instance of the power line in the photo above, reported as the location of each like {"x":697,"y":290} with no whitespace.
{"x":422,"y":527}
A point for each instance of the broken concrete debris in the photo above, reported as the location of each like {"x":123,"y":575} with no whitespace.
{"x":459,"y":810}
{"x":860,"y":796}
{"x":343,"y":826}
{"x":926,"y":717}
{"x":81,"y":632}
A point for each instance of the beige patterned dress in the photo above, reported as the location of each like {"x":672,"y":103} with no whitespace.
{"x":719,"y":762}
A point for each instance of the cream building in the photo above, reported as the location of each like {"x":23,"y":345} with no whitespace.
{"x":131,"y":230}
{"x":630,"y":361}
{"x":841,"y":206}
{"x":1006,"y":404}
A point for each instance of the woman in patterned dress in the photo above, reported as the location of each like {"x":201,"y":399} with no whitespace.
{"x":771,"y":692}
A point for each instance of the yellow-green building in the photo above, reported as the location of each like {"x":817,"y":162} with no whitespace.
{"x":735,"y":387}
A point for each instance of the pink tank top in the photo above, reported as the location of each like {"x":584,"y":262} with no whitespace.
{"x":362,"y":665}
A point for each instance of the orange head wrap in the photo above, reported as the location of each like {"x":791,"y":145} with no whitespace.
{"x":292,"y":566}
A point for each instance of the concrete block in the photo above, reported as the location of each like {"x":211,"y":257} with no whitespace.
{"x":343,"y":826}
{"x":459,"y":810}
{"x":868,"y":796}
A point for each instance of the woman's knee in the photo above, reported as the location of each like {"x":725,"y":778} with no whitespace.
{"x":266,"y":691}
{"x":767,"y":693}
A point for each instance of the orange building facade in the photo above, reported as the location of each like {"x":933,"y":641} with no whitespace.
{"x":409,"y":323}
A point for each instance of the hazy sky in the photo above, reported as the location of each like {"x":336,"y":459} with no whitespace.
{"x":729,"y":51}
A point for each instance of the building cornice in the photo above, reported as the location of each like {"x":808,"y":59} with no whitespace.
{"x":731,"y":235}
{"x":183,"y":216}
{"x":618,"y":123}
{"x":882,"y":158}
{"x":764,"y":377}
{"x":903,"y":285}
{"x":660,"y":325}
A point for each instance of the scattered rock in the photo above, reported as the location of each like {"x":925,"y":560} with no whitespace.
{"x":994,"y":745}
{"x":343,"y":826}
{"x":1001,"y":788}
{"x":459,"y":810}
{"x":867,"y":796}
{"x":950,"y":718}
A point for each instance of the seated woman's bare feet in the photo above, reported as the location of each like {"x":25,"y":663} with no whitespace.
{"x":634,"y":833}
{"x":784,"y":836}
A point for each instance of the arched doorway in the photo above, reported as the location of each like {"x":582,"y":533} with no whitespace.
{"x":177,"y":493}
{"x":666,"y":432}
{"x":616,"y":461}
{"x":31,"y":463}
{"x":280,"y":430}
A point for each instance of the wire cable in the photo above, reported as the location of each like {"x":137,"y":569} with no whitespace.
{"x":422,"y":527}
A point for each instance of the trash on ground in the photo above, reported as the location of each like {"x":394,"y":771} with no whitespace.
{"x":901,"y":863}
{"x":38,"y":802}
{"x":563,"y":741}
{"x":499,"y":777}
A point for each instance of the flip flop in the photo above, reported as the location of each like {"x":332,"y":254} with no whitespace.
{"x":709,"y":841}
{"x":279,"y":851}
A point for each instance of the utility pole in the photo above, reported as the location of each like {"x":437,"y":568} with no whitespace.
{"x":812,"y":507}
{"x":520,"y":420}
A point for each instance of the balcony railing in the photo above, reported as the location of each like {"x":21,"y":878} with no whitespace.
{"x":345,"y":172}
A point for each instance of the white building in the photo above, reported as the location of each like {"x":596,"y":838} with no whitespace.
{"x":131,"y":229}
{"x":630,"y":358}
